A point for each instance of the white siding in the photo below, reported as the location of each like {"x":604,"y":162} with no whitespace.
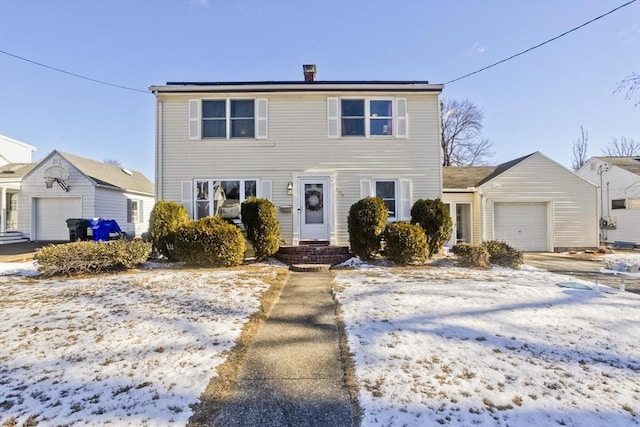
{"x":298,"y":143}
{"x":617,"y":184}
{"x":573,"y":222}
{"x":112,"y":204}
{"x":12,"y":151}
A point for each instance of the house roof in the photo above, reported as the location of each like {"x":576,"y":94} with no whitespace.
{"x":300,"y":86}
{"x":20,"y":143}
{"x":475,"y":176}
{"x":106,"y":175}
{"x":15,"y":171}
{"x":630,"y":164}
{"x":110,"y":175}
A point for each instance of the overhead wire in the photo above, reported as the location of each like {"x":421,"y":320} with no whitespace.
{"x":73,"y":74}
{"x":540,"y":44}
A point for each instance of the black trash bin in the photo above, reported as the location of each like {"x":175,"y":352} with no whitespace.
{"x":77,"y":228}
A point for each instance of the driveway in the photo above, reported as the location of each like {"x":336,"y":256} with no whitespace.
{"x":583,"y":268}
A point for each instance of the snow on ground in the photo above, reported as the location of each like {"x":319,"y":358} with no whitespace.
{"x":451,"y":346}
{"x":132,"y":349}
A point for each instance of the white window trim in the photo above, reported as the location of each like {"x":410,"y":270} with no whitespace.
{"x":395,"y":118}
{"x":396,"y":194}
{"x":403,"y":195}
{"x":259,"y":190}
{"x":260,"y":119}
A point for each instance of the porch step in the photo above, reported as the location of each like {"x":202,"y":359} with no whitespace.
{"x":9,"y":237}
{"x":313,"y":254}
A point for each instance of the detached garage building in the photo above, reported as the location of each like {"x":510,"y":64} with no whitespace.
{"x":66,"y":186}
{"x":532,"y":203}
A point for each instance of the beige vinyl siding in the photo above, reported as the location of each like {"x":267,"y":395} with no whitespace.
{"x":572,"y":200}
{"x":298,"y":143}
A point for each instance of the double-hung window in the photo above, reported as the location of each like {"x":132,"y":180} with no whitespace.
{"x":228,"y":118}
{"x":367,"y":117}
{"x":134,"y":211}
{"x":233,"y":117}
{"x":387,"y":191}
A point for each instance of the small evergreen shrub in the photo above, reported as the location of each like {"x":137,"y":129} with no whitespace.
{"x":88,"y":257}
{"x":475,"y":256}
{"x":209,"y":241}
{"x":366,"y":222}
{"x":434,"y":218}
{"x":502,"y":254}
{"x":405,"y":243}
{"x":263,"y":229}
{"x":166,"y":218}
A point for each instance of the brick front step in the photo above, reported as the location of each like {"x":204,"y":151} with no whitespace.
{"x":313,"y":254}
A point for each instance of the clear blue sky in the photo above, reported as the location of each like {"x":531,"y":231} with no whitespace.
{"x":536,"y":102}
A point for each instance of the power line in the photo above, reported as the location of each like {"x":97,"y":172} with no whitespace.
{"x":74,"y":74}
{"x":541,"y":44}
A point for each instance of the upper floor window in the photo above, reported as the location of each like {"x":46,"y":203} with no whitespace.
{"x":228,"y":118}
{"x":618,"y":204}
{"x":233,"y":117}
{"x":367,"y":117}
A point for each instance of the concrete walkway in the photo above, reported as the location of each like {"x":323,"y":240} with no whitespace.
{"x":293,"y":374}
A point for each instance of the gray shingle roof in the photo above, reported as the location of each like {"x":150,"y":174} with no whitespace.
{"x":474,"y":176}
{"x":111,"y":175}
{"x":15,"y":170}
{"x":631,"y":164}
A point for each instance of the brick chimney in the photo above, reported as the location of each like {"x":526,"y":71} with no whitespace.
{"x":309,"y":72}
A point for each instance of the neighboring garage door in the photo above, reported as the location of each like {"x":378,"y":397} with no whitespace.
{"x":521,"y":225}
{"x":51,"y":216}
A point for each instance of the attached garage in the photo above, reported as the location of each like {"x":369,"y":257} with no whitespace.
{"x":51,"y":214}
{"x":522,"y":225}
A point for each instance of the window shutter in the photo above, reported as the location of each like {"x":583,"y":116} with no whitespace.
{"x":365,"y":188}
{"x":265,"y":186}
{"x":405,"y":199}
{"x":129,"y":211}
{"x":333,"y":119}
{"x":140,"y":212}
{"x":401,"y":118}
{"x":187,"y":197}
{"x":194,"y":119}
{"x":262,"y":114}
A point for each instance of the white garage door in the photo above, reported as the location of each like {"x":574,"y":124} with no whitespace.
{"x":521,"y":225}
{"x":51,"y":216}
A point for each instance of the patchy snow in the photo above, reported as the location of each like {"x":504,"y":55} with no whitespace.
{"x":451,"y":346}
{"x":134,"y":349}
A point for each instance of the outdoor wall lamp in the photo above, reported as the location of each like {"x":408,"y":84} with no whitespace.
{"x":290,"y":188}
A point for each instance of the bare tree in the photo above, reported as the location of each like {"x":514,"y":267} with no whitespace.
{"x":630,"y":85}
{"x":113,"y":162}
{"x":623,"y":147}
{"x":461,"y":123}
{"x":580,"y":148}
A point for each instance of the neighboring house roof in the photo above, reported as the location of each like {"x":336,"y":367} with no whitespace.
{"x":475,"y":176}
{"x":107,"y":175}
{"x":630,"y":164}
{"x":20,"y":143}
{"x":14,"y":171}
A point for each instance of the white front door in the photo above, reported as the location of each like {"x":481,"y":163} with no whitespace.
{"x":314,"y":209}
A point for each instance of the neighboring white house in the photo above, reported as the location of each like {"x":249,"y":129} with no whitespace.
{"x":532,"y":203}
{"x":312,"y":147}
{"x":66,"y":186}
{"x":15,"y":162}
{"x":618,"y":181}
{"x":14,"y":151}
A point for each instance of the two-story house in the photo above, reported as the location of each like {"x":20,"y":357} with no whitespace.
{"x":311,"y":147}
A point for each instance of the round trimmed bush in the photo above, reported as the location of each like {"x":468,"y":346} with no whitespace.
{"x":263,"y":228}
{"x":166,"y":217}
{"x":434,"y":218}
{"x":405,"y":243}
{"x":209,"y":241}
{"x":468,"y":255}
{"x":500,"y":253}
{"x":366,"y":222}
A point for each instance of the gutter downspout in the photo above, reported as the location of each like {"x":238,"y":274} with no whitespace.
{"x":159,"y":138}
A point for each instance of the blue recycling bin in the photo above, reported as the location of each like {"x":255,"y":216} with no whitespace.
{"x":103,"y":227}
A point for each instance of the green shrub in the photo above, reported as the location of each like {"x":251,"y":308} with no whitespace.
{"x":209,"y":241}
{"x":405,"y":243}
{"x":166,"y":218}
{"x":468,"y":255}
{"x":502,"y":254}
{"x":366,"y":222}
{"x":434,"y":218}
{"x":88,"y":257}
{"x":263,"y":229}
